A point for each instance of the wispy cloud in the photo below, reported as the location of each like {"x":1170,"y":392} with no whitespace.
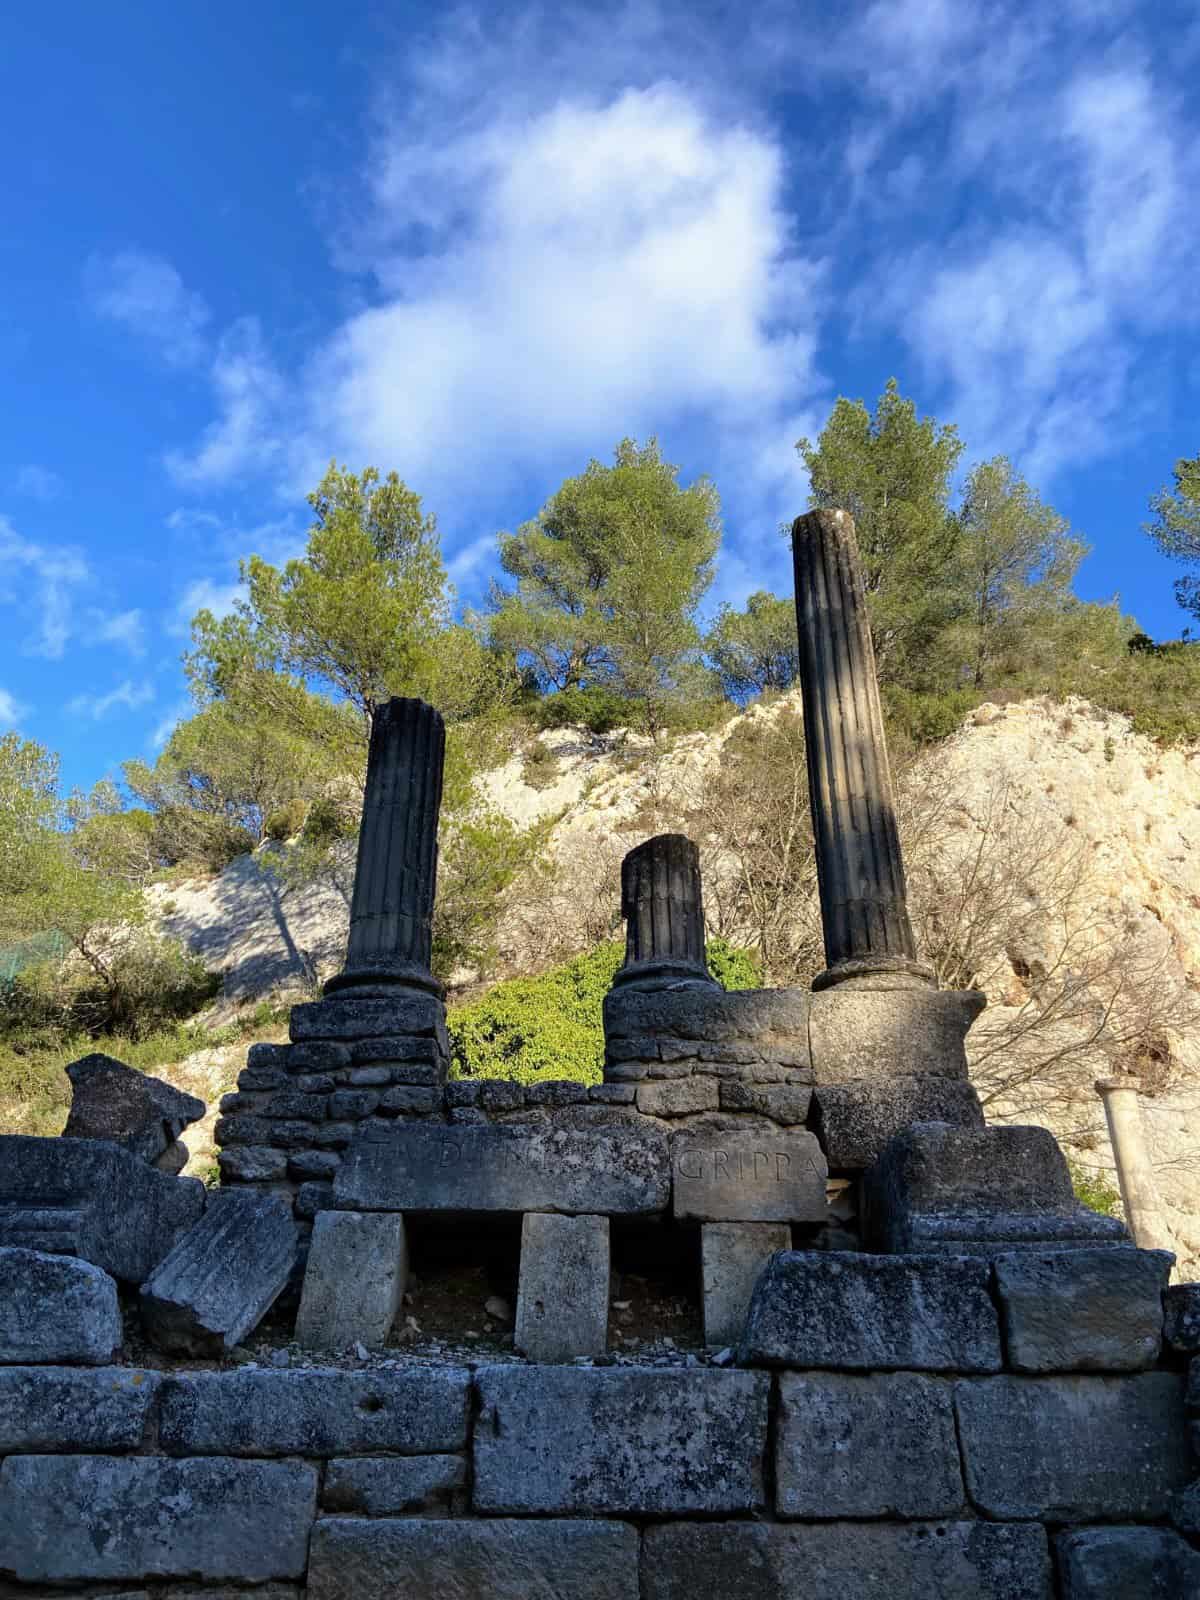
{"x":126,"y":628}
{"x":202,"y":595}
{"x":12,"y":711}
{"x":128,"y":695}
{"x":186,"y":519}
{"x":42,"y":579}
{"x":249,"y":393}
{"x":38,"y":483}
{"x":144,"y":294}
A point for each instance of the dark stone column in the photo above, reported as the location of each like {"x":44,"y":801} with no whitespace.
{"x":664,"y":911}
{"x":391,"y":914}
{"x":864,"y":911}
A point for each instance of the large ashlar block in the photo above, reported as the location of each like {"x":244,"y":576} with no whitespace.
{"x":62,"y":1408}
{"x":562,"y":1296}
{"x":773,"y":1019}
{"x":353,"y":1281}
{"x":732,"y":1258}
{"x":855,"y":1122}
{"x":351,"y":1017}
{"x":1083,"y":1310}
{"x":765,"y":1175}
{"x":222,"y":1277}
{"x":893,"y":1033}
{"x":55,"y":1308}
{"x":1127,"y":1564}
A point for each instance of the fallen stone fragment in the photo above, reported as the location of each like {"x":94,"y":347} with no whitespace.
{"x":562,"y":1295}
{"x":111,"y":1101}
{"x":1085,"y":1310}
{"x":354,"y":1279}
{"x":222,"y":1277}
{"x":60,"y":1408}
{"x":56,"y":1308}
{"x":1119,"y":1563}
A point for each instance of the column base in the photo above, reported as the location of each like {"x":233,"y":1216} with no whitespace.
{"x":382,"y":980}
{"x":877,"y":972}
{"x":664,"y":975}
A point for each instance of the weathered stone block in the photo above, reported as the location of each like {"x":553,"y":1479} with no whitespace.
{"x":383,"y":1486}
{"x":353,"y":1282}
{"x":352,"y":1105}
{"x":558,"y":1439}
{"x":885,"y":1034}
{"x":344,"y":1018}
{"x":753,"y":1176}
{"x":317,"y":1055}
{"x":1082,"y":1310}
{"x":677,"y":1097}
{"x":320,"y":1164}
{"x":267,"y":1055}
{"x":628,"y":1072}
{"x":222,"y":1277}
{"x":412,"y":1166}
{"x":58,"y":1408}
{"x":783,"y":1102}
{"x":843,"y":1309}
{"x":732,"y":1257}
{"x":555,"y":1092}
{"x":315,"y":1412}
{"x":1181,"y":1318}
{"x":710,"y":1016}
{"x":56,"y":1308}
{"x":562,"y":1296}
{"x":408,"y":1100}
{"x":111,"y":1101}
{"x":375,"y":1077}
{"x":855,"y":1121}
{"x":129,"y":1215}
{"x":1127,"y":1564}
{"x":252,"y":1163}
{"x":859,"y":1561}
{"x":461,"y":1092}
{"x":293,"y":1106}
{"x":858,"y":1446}
{"x":1074,"y":1449}
{"x":313,"y":1198}
{"x":498,"y":1560}
{"x":501,"y":1094}
{"x":398,"y":1050}
{"x":1185,"y":1510}
{"x":106,"y":1517}
{"x":612,"y":1094}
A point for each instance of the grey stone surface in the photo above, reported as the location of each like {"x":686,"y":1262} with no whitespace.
{"x":782,"y":1102}
{"x":859,"y":1034}
{"x":1127,"y":1564}
{"x":850,"y":1445}
{"x":60,"y":1408}
{"x":111,"y":1101}
{"x":732,"y":1257}
{"x":711,"y":1016}
{"x":562,"y":1294}
{"x":413,"y":1166}
{"x":382,"y":1486}
{"x":856,"y":1561}
{"x":560,"y":1440}
{"x":1185,"y":1510}
{"x":501,"y":1094}
{"x":408,"y":1100}
{"x":354,"y":1559}
{"x":252,"y":1163}
{"x":129,"y":1214}
{"x":1082,"y":1310}
{"x":222,"y":1277}
{"x":315,"y":1412}
{"x":56,"y":1308}
{"x":555,"y":1092}
{"x":771,"y":1175}
{"x":678,"y":1097}
{"x":105,"y":1517}
{"x":844,"y":1309}
{"x":353,"y":1282}
{"x":1074,"y":1449}
{"x":855,"y":1121}
{"x":1181,"y":1318}
{"x":344,"y":1017}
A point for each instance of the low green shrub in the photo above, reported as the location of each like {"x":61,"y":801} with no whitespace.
{"x":1094,"y":1189}
{"x":597,"y":709}
{"x":286,"y":821}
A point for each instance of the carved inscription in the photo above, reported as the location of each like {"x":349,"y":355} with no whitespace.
{"x":749,"y":1177}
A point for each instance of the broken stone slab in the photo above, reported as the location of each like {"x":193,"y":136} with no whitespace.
{"x":903,"y":1457}
{"x":56,"y":1308}
{"x":1074,"y":1449}
{"x":111,"y":1101}
{"x":883,"y":1034}
{"x":101,"y":1518}
{"x":1084,"y":1310}
{"x":711,"y":1016}
{"x":502,"y":1559}
{"x":315,"y":1412}
{"x":126,"y":1217}
{"x":732,"y":1258}
{"x":818,"y":1309}
{"x":50,"y":1409}
{"x":413,"y":1166}
{"x":562,"y":1292}
{"x":977,"y":1191}
{"x":857,"y":1560}
{"x":769,"y":1175}
{"x":344,"y":1017}
{"x":557,"y":1440}
{"x":222,"y":1277}
{"x":854,"y":1122}
{"x":354,"y":1280}
{"x":1127,"y":1564}
{"x":381,"y":1486}
{"x":1181,"y":1318}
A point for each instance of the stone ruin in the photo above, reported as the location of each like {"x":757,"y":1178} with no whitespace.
{"x":930,"y":1372}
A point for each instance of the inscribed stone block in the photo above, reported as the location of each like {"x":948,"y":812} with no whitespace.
{"x":353,"y":1281}
{"x":1127,"y":1564}
{"x":850,"y":1445}
{"x":562,"y":1294}
{"x":1084,"y":1310}
{"x":1074,"y":1449}
{"x":770,"y":1175}
{"x":60,"y":1408}
{"x":884,"y":1034}
{"x":56,"y":1308}
{"x":381,"y":1486}
{"x":559,"y":1440}
{"x":732,"y":1257}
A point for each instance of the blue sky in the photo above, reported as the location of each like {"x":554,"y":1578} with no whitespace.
{"x":480,"y":246}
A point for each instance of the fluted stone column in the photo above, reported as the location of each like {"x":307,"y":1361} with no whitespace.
{"x":663,"y":907}
{"x":864,"y":914}
{"x":391,"y":914}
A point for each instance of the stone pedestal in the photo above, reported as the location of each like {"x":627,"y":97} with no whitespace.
{"x":1135,"y":1172}
{"x":732,"y":1258}
{"x":663,"y":908}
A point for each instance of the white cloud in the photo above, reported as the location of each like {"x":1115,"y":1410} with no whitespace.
{"x":12,"y":711}
{"x":185,"y":519}
{"x":41,"y":579}
{"x":203,"y":595}
{"x":144,"y":294}
{"x":250,"y":394}
{"x":129,"y":695}
{"x":126,"y":628}
{"x":38,"y":483}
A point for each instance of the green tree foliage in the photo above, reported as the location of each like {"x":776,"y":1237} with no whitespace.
{"x":1176,"y":528}
{"x":755,"y":649}
{"x":609,"y":579}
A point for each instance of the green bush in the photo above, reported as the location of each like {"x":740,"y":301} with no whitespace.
{"x":597,"y":709}
{"x":733,"y":968}
{"x":1093,"y":1189}
{"x":924,"y":717}
{"x":327,"y":822}
{"x":286,"y":821}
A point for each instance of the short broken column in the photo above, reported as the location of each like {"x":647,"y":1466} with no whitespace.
{"x":562,"y":1295}
{"x":732,"y":1258}
{"x":662,"y":903}
{"x":1135,"y":1172}
{"x":353,"y":1281}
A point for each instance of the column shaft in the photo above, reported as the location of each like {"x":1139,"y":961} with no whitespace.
{"x":1135,"y":1173}
{"x":662,"y":902}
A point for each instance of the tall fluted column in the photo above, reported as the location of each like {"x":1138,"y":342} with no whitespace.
{"x":860,"y":872}
{"x":391,"y":914}
{"x":1135,"y":1171}
{"x":664,"y":911}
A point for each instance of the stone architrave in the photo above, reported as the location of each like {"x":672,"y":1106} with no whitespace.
{"x":662,"y":905}
{"x":769,"y":1175}
{"x":732,"y":1258}
{"x":562,"y":1294}
{"x":353,"y":1281}
{"x":860,"y":872}
{"x":391,"y":913}
{"x":111,"y":1101}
